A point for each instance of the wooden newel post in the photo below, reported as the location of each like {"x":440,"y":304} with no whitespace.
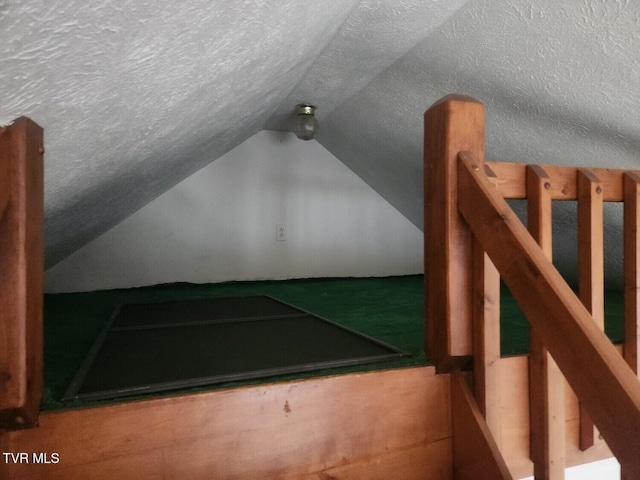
{"x":452,"y":125}
{"x":21,"y":273}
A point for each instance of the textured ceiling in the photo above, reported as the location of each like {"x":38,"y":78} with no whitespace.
{"x":135,"y":96}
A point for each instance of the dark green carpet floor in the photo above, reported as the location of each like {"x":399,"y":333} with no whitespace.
{"x":390,"y":309}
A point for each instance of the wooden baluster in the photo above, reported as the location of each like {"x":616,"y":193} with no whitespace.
{"x":546,"y":383}
{"x":21,"y":274}
{"x":631,"y":269}
{"x":631,"y":189}
{"x":486,"y":339}
{"x":590,"y":267}
{"x":453,"y":124}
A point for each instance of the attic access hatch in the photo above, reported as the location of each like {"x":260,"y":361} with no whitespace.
{"x":156,"y":347}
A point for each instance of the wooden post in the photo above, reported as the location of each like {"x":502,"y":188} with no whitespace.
{"x":590,"y":267}
{"x":631,"y":269}
{"x":453,"y":124}
{"x":546,"y":383}
{"x":21,"y":274}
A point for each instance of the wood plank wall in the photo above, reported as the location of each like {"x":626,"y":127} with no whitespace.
{"x":389,"y":424}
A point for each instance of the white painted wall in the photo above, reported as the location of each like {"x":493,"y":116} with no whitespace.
{"x":220,"y":224}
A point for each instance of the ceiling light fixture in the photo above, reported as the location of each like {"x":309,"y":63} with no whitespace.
{"x":306,"y":123}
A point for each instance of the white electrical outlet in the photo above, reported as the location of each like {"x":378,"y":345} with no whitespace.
{"x":281,"y":232}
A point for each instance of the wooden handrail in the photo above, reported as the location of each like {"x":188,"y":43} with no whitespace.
{"x":511,"y":180}
{"x":602,"y":380}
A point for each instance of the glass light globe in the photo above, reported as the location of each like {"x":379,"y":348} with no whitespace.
{"x":306,"y":124}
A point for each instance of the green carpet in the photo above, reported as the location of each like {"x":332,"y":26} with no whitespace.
{"x":514,"y":326}
{"x":390,"y":309}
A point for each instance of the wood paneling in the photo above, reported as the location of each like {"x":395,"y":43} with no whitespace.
{"x":353,"y":426}
{"x":21,"y":273}
{"x":425,"y":461}
{"x":361,"y":425}
{"x":455,"y":123}
{"x":592,"y":366}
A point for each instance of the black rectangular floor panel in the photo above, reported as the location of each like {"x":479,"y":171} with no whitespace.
{"x":209,"y":310}
{"x":163,"y":346}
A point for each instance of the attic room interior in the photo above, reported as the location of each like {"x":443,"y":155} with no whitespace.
{"x":468,"y":202}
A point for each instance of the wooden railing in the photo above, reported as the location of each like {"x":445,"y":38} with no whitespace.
{"x":466,"y":215}
{"x":21,"y":273}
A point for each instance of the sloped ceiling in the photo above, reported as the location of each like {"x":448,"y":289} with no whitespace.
{"x":135,"y":95}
